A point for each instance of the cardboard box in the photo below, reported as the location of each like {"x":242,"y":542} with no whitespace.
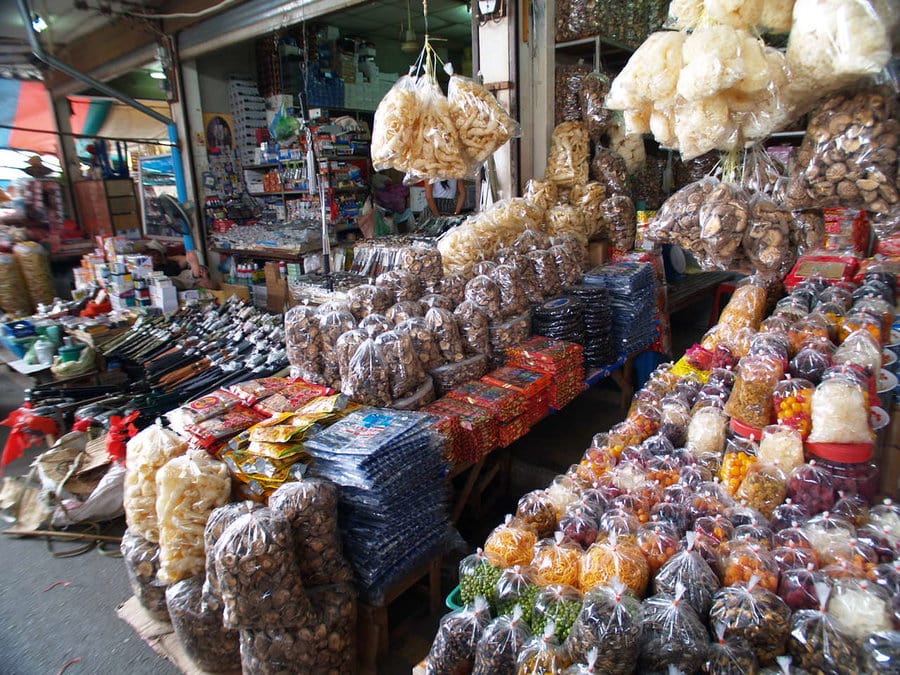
{"x":164,"y":297}
{"x":598,"y":252}
{"x":276,"y":288}
{"x":243,"y":292}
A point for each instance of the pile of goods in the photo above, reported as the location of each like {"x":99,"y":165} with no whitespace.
{"x":728,"y":523}
{"x":632,"y":293}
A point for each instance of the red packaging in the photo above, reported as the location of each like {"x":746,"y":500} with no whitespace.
{"x":213,"y":431}
{"x":292,"y":397}
{"x":505,"y":404}
{"x":478,"y":426}
{"x":513,"y":430}
{"x":847,"y":230}
{"x":448,"y":426}
{"x":253,"y":391}
{"x":830,"y":268}
{"x":533,"y":384}
{"x":546,"y":355}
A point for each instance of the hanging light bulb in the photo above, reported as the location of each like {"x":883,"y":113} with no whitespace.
{"x":410,"y":43}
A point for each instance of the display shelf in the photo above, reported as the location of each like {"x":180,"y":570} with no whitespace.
{"x":288,"y":255}
{"x":266,"y":166}
{"x":349,"y":190}
{"x":279,"y":193}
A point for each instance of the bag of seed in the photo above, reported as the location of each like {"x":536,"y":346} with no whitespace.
{"x":556,"y":605}
{"x":478,"y":577}
{"x":542,"y":654}
{"x":454,"y":646}
{"x":203,"y":636}
{"x":818,"y":642}
{"x":672,"y":634}
{"x":498,"y":650}
{"x":609,"y":621}
{"x":726,"y":656}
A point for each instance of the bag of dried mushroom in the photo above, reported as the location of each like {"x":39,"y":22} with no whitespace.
{"x":205,"y":639}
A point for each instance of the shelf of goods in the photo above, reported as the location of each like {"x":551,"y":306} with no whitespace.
{"x":734,"y":516}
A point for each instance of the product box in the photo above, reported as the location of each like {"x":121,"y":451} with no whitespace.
{"x":164,"y":297}
{"x":276,"y":288}
{"x":243,"y":292}
{"x":598,"y":252}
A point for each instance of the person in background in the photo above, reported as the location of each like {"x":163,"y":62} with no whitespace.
{"x":445,"y":198}
{"x":184,"y":274}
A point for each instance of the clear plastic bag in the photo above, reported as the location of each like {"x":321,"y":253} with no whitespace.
{"x":566,"y":219}
{"x":303,"y":340}
{"x":729,"y":657}
{"x":258,"y":573}
{"x":678,"y":219}
{"x":724,"y":218}
{"x":568,"y":84}
{"x":706,"y":431}
{"x":512,"y":291}
{"x":452,"y":286}
{"x":368,"y":381}
{"x":834,"y":43}
{"x":511,"y":543}
{"x":188,"y":489}
{"x":588,"y":199}
{"x":767,"y":239}
{"x":610,"y":623}
{"x":567,"y":162}
{"x":621,"y":221}
{"x":424,"y":341}
{"x":435,"y":151}
{"x":763,"y":488}
{"x":456,"y":642}
{"x":557,"y":561}
{"x":672,"y":634}
{"x":557,"y":606}
{"x":402,"y":286}
{"x":437,"y":300}
{"x":751,"y":399}
{"x":484,"y":293}
{"x":217,"y":523}
{"x":840,"y":413}
{"x":142,"y":565}
{"x":610,"y":559}
{"x":211,"y":646}
{"x":542,"y":654}
{"x":807,"y":230}
{"x":481,"y":122}
{"x":541,"y":193}
{"x":311,"y":506}
{"x":442,"y":324}
{"x":146,"y":453}
{"x":860,"y":607}
{"x":690,"y":570}
{"x":498,"y":649}
{"x":609,"y":169}
{"x":594,"y":88}
{"x":880,"y":652}
{"x":754,"y":615}
{"x":473,"y":326}
{"x":374,"y":325}
{"x":346,"y":347}
{"x":534,"y":239}
{"x":368,"y":299}
{"x":517,"y":587}
{"x":422,"y":262}
{"x":395,"y":116}
{"x":861,"y":349}
{"x":538,"y":511}
{"x":545,"y":268}
{"x":404,"y":369}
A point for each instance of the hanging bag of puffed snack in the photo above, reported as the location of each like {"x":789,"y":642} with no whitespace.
{"x":498,"y":650}
{"x":567,"y":163}
{"x":454,"y":646}
{"x":481,"y":122}
{"x":672,"y":634}
{"x":188,"y":489}
{"x":395,"y":119}
{"x":609,"y":621}
{"x":434,"y":152}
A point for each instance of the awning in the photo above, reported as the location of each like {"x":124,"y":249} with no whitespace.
{"x":26,"y":105}
{"x":105,"y":117}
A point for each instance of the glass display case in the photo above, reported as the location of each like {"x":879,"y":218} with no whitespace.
{"x":157,"y":177}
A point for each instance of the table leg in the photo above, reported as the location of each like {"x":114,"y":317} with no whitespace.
{"x":474,"y":472}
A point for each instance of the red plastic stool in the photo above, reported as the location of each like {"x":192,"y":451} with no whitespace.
{"x":723,"y":289}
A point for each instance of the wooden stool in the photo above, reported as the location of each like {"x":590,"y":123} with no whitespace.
{"x":372,"y":631}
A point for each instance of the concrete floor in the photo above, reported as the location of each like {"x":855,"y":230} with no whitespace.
{"x":42,"y":630}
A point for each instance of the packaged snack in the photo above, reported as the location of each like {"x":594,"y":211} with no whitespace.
{"x":567,"y":161}
{"x":542,"y":655}
{"x":188,"y":488}
{"x":556,"y":606}
{"x":396,"y":114}
{"x":751,"y":399}
{"x":481,"y":122}
{"x":511,"y":543}
{"x":754,"y":615}
{"x":541,"y":193}
{"x":729,"y":656}
{"x":860,"y":607}
{"x":744,"y":561}
{"x":538,"y":511}
{"x":202,"y":635}
{"x":610,"y":623}
{"x":880,"y":652}
{"x":142,"y":566}
{"x":739,"y":456}
{"x":763,"y":488}
{"x":658,"y":542}
{"x":498,"y":649}
{"x":672,"y":634}
{"x":456,"y":642}
{"x":611,"y":558}
{"x":793,"y":405}
{"x":688,"y":569}
{"x":557,"y":561}
{"x":825,"y":531}
{"x":797,"y":586}
{"x":706,"y":431}
{"x":477,"y":577}
{"x":517,"y":587}
{"x":811,"y":487}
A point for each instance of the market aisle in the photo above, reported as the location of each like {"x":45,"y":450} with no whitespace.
{"x":41,"y":630}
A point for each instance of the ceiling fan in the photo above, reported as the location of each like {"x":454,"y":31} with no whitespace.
{"x":410,"y":43}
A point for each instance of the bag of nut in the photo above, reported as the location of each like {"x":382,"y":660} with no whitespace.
{"x":323,"y":642}
{"x":849,"y":154}
{"x":367,"y":379}
{"x":218,"y":521}
{"x":188,"y":488}
{"x":404,"y":369}
{"x":142,"y":565}
{"x":454,"y":646}
{"x":203,"y":636}
{"x":425,"y":342}
{"x":310,"y":506}
{"x":258,"y":573}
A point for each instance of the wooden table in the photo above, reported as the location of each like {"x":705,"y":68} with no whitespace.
{"x":693,"y":288}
